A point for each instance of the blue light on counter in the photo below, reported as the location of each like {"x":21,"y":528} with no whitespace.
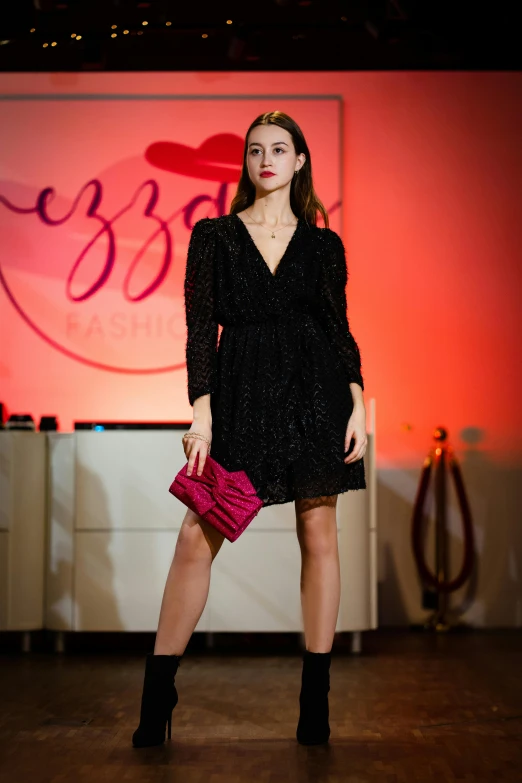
{"x":98,"y":428}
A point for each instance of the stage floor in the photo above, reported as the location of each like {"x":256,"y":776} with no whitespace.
{"x":413,"y":707}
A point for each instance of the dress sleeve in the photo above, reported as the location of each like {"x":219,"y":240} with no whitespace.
{"x":333,"y":279}
{"x":202,"y":328}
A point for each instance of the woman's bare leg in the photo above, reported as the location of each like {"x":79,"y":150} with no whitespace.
{"x":187,"y":586}
{"x":320,"y":570}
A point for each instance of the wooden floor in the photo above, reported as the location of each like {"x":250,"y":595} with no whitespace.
{"x":412,"y":707}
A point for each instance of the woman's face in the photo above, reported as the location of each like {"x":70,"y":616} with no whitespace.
{"x":271,"y":149}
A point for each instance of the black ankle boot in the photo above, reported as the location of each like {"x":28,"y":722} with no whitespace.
{"x":313,"y":727}
{"x":158,"y":699}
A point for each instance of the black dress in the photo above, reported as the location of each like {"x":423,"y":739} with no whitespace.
{"x":279,"y":378}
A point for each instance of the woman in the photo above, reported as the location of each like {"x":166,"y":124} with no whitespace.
{"x":280,"y":397}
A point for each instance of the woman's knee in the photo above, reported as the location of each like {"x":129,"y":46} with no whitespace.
{"x":317,"y":532}
{"x":197,"y":539}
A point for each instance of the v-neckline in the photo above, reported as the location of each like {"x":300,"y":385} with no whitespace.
{"x":261,"y":257}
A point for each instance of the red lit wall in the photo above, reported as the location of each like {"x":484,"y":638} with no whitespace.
{"x":422,"y":172}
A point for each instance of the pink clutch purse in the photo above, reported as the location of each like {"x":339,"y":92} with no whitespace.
{"x":225,"y":499}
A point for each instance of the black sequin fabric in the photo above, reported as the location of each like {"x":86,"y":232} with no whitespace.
{"x":279,"y":375}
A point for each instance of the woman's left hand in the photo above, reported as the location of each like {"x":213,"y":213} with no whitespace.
{"x":357,"y":429}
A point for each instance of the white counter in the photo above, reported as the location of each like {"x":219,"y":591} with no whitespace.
{"x":112,"y":532}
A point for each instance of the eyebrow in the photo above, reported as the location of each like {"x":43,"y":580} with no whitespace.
{"x":260,"y":145}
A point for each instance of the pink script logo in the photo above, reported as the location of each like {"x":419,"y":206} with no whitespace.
{"x":118,"y":305}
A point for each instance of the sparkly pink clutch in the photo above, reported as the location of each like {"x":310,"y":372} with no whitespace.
{"x":225,"y":499}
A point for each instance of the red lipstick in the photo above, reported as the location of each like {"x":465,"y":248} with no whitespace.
{"x":268,"y":174}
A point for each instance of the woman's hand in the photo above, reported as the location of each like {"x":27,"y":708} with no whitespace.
{"x":197,"y":448}
{"x":357,"y":429}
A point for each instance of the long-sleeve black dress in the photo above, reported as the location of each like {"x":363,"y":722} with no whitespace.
{"x":279,"y":377}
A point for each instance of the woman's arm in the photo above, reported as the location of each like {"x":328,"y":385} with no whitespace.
{"x":334,"y":276}
{"x":357,"y":395}
{"x":202,"y":332}
{"x":333,"y":279}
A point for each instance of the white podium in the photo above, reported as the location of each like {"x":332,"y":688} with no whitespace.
{"x":112,"y":533}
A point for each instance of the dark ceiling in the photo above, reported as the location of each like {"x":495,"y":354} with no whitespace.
{"x":289,"y":35}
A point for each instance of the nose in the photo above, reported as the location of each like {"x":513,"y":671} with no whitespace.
{"x":265,"y":159}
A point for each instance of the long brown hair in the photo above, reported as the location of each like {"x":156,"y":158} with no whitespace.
{"x":303,"y":198}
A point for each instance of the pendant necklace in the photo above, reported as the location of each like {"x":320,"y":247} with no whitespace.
{"x":270,"y":229}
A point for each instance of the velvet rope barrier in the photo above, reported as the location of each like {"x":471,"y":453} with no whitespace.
{"x":440,"y":456}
